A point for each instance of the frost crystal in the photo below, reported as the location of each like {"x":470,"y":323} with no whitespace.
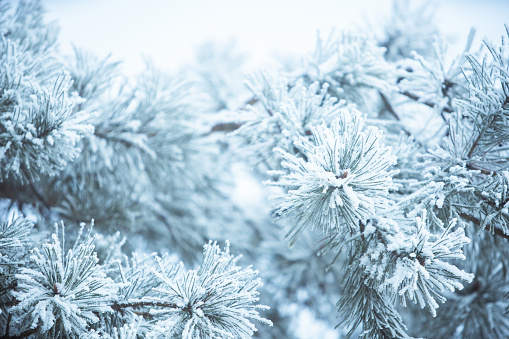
{"x":286,"y":111}
{"x":215,"y":301}
{"x":63,"y":294}
{"x":342,"y":179}
{"x":414,"y":266}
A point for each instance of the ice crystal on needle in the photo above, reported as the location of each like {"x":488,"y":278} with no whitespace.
{"x":63,"y":293}
{"x":215,"y":301}
{"x":343,"y":178}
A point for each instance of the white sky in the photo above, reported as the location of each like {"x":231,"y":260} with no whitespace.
{"x":169,"y":31}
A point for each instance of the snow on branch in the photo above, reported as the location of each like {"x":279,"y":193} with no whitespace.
{"x":215,"y":301}
{"x":342,"y":180}
{"x":63,"y":292}
{"x":414,"y":265}
{"x":39,"y":128}
{"x":285,"y":111}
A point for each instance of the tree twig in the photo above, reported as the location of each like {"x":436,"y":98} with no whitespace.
{"x":427,"y":103}
{"x":25,"y":334}
{"x":483,"y":171}
{"x":7,"y":326}
{"x":139,"y":304}
{"x":142,"y":304}
{"x":476,"y":142}
{"x":226,"y":127}
{"x":477,"y":222}
{"x":388,"y":106}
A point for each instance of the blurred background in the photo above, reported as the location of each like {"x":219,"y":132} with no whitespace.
{"x":169,"y":32}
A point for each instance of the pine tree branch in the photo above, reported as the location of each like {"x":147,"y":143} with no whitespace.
{"x":388,"y":106}
{"x":116,"y":307}
{"x":137,"y":305}
{"x":25,"y":334}
{"x":8,"y":288}
{"x":140,"y":304}
{"x":232,"y":126}
{"x":477,"y":222}
{"x":225,"y":127}
{"x":479,"y":137}
{"x":8,"y":325}
{"x":391,"y":110}
{"x":11,"y":303}
{"x":104,"y":135}
{"x":427,"y":103}
{"x":483,"y":171}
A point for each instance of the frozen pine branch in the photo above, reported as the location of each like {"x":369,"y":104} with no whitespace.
{"x":216,"y":301}
{"x":433,"y":82}
{"x":92,"y":76}
{"x":284,"y":112}
{"x":14,"y":246}
{"x":14,"y":237}
{"x":62,"y":293}
{"x":39,"y":129}
{"x":71,"y":295}
{"x":378,"y":317}
{"x":343,"y":179}
{"x":127,"y":331}
{"x":353,"y":66}
{"x":414,"y":266}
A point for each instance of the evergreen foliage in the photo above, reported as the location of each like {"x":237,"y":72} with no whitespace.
{"x":388,"y":164}
{"x":79,"y":141}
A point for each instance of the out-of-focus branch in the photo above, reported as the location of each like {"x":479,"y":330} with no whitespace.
{"x":427,"y":103}
{"x":496,"y":231}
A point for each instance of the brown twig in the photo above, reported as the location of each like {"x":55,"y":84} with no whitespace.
{"x":427,"y":103}
{"x":141,"y":304}
{"x":476,"y":142}
{"x":7,"y":327}
{"x":483,"y":171}
{"x":388,"y":106}
{"x":226,"y":127}
{"x":477,"y":222}
{"x":232,"y":126}
{"x":25,"y":334}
